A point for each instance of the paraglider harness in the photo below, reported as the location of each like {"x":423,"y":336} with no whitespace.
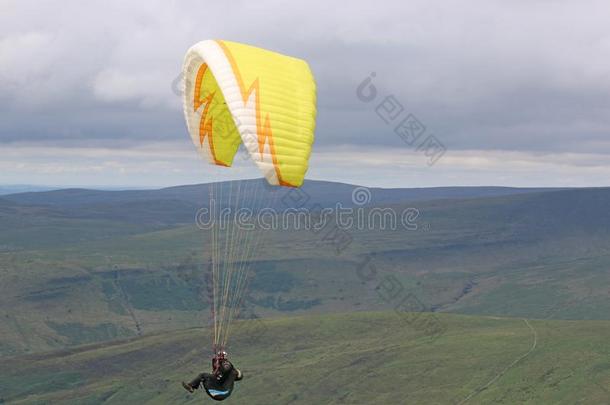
{"x":223,"y":371}
{"x":219,"y":384}
{"x":217,"y":360}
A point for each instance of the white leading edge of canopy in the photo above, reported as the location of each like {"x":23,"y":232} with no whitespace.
{"x":210,"y":52}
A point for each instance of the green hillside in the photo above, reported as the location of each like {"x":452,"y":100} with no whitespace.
{"x":67,"y":281}
{"x":359,"y":358}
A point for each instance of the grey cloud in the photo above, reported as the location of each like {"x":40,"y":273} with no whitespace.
{"x":482,"y":75}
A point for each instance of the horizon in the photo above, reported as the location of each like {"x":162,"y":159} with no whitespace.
{"x":44,"y":187}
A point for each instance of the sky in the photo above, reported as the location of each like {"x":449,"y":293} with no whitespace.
{"x":514,"y":93}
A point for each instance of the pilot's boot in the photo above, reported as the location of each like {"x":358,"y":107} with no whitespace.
{"x":188,"y":387}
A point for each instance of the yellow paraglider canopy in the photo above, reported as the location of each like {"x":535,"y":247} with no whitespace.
{"x":236,"y":93}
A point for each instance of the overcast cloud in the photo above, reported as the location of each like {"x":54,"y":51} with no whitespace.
{"x":517,"y":91}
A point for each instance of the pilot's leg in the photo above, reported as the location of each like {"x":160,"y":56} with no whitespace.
{"x":193,"y":385}
{"x":197,"y":381}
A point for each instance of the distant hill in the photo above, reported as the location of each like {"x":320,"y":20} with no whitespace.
{"x":23,"y":188}
{"x":323,"y":192}
{"x":40,"y":215}
{"x":359,"y":358}
{"x":141,"y":210}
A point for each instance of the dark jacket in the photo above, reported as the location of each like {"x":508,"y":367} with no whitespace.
{"x":219,"y":385}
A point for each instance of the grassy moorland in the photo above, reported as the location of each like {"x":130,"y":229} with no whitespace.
{"x":82,"y":266}
{"x":358,"y":358}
